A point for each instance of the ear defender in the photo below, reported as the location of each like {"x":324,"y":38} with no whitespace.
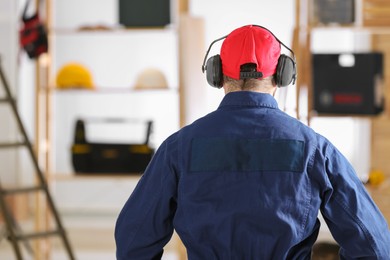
{"x":214,"y":73}
{"x":286,"y":72}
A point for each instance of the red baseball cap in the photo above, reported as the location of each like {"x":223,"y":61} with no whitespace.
{"x":250,"y":44}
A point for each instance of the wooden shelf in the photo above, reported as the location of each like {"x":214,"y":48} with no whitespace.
{"x":108,"y":29}
{"x":313,"y":113}
{"x":105,"y":90}
{"x":371,"y":29}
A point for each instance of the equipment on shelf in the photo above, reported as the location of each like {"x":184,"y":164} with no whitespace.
{"x":145,"y":13}
{"x":348,"y":83}
{"x":110,"y":158}
{"x":74,"y":75}
{"x":33,"y":34}
{"x":333,"y":11}
{"x":13,"y":230}
{"x":151,"y":78}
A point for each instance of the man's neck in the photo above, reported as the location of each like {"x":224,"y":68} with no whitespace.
{"x":270,"y":91}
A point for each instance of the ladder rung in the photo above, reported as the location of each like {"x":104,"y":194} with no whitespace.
{"x":38,"y":235}
{"x":10,"y":145}
{"x":23,"y":190}
{"x":3,"y":100}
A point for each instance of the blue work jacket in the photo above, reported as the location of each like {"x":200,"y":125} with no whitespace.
{"x":248,"y":181}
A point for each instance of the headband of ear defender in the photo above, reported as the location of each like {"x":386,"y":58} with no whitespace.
{"x":285,"y":72}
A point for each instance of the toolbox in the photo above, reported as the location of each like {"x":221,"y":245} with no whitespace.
{"x":348,"y":83}
{"x":109,"y":158}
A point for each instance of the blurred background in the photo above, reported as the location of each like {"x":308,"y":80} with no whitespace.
{"x":120,"y":76}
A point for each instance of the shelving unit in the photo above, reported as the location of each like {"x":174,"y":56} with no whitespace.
{"x":115,"y":58}
{"x":109,"y":54}
{"x":372,"y":18}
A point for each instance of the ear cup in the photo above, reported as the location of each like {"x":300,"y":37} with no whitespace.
{"x":214,"y":71}
{"x":285,"y":71}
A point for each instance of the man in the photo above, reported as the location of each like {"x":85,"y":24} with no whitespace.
{"x":247,"y":181}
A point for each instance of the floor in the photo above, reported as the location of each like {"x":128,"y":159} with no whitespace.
{"x":90,"y":240}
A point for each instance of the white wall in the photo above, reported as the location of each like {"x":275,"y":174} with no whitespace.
{"x":19,"y":71}
{"x":8,"y":59}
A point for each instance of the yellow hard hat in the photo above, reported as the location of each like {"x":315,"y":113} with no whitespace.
{"x":376,"y":177}
{"x":74,"y":75}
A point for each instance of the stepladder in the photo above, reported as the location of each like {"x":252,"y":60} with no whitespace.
{"x":20,"y":239}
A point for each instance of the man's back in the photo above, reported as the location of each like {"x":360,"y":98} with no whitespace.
{"x":249,"y":186}
{"x":244,"y":190}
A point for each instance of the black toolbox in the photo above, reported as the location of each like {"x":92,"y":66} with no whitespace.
{"x":109,"y":158}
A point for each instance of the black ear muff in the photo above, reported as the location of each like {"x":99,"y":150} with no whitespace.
{"x":214,"y":71}
{"x":285,"y":71}
{"x":213,"y":67}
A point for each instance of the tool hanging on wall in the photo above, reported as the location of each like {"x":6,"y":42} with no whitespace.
{"x":13,"y":230}
{"x":33,"y":34}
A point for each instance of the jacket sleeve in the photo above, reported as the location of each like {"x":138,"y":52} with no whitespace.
{"x":351,"y":215}
{"x":144,"y":225}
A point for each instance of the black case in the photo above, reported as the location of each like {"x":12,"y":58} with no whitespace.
{"x":334,"y":11}
{"x":348,"y":90}
{"x":144,"y":13}
{"x":109,"y":158}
